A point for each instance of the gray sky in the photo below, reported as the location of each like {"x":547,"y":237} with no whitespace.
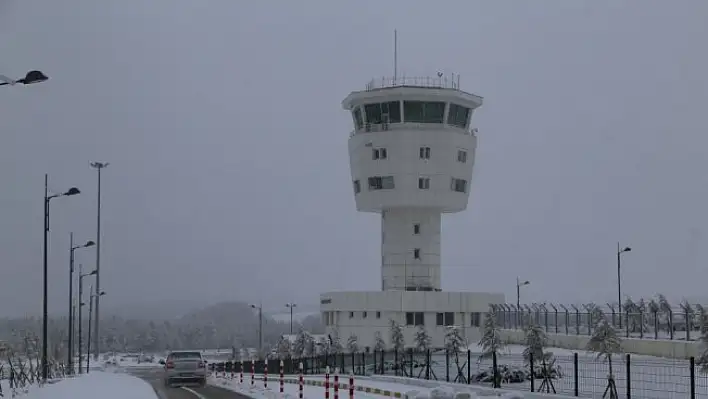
{"x":229,"y":176}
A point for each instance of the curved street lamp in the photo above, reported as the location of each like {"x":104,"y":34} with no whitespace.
{"x":45,"y":317}
{"x":620,"y":251}
{"x":72,"y":248}
{"x":31,"y":78}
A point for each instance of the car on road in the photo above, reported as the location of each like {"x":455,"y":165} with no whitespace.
{"x":184,"y":367}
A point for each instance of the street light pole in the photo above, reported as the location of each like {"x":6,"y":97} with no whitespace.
{"x":81,"y":305}
{"x":519,"y":283}
{"x":45,"y":316}
{"x":260,"y":329}
{"x":291,"y":306}
{"x":72,"y":248}
{"x":92,"y":297}
{"x":620,"y":251}
{"x":98,"y":166}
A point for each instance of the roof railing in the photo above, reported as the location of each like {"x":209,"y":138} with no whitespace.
{"x":438,"y":82}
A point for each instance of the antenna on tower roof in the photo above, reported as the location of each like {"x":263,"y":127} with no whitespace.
{"x":395,"y":55}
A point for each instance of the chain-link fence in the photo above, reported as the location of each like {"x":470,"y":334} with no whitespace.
{"x":635,"y":320}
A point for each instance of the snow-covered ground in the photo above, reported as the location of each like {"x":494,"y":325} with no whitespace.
{"x":105,"y":385}
{"x":291,"y":391}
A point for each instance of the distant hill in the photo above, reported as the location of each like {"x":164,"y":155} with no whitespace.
{"x":221,"y":325}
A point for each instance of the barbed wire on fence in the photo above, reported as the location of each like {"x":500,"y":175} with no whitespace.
{"x":636,"y":320}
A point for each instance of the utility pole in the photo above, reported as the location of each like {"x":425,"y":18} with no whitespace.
{"x":98,"y":166}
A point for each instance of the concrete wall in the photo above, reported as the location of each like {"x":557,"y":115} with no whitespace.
{"x":661,"y":348}
{"x":365,"y":313}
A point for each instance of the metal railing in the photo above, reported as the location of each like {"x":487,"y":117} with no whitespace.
{"x":383,"y":127}
{"x":566,"y":373}
{"x":439,"y":82}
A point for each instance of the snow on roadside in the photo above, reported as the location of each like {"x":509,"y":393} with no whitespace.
{"x":96,"y":384}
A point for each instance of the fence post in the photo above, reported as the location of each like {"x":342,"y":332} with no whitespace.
{"x":692,"y":365}
{"x":447,"y":366}
{"x":395,"y":362}
{"x":301,"y":382}
{"x":576,"y":378}
{"x":427,"y":365}
{"x":376,"y":369}
{"x":629,"y":376}
{"x":533,"y":376}
{"x":410,"y":366}
{"x":383,"y":361}
{"x":469,"y":366}
{"x":495,"y":371}
{"x":363,"y":363}
{"x":353,"y":362}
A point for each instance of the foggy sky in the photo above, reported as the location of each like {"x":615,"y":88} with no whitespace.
{"x":229,"y":175}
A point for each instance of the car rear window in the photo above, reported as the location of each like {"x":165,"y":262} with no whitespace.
{"x":185,"y":355}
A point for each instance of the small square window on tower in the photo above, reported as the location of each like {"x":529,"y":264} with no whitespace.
{"x":416,"y":228}
{"x":424,"y":153}
{"x":416,"y":253}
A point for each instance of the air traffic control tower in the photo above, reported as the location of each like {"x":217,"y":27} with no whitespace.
{"x":411,"y":154}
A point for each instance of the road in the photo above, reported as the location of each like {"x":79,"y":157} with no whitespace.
{"x":154,"y":377}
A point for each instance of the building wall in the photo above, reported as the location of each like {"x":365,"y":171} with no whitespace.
{"x":365,"y":313}
{"x":403,"y":143}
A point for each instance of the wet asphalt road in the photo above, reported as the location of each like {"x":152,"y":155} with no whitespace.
{"x":154,"y":377}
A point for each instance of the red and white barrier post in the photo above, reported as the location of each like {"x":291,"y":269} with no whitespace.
{"x":327,"y":383}
{"x":351,"y":385}
{"x":301,"y":381}
{"x":265,"y":374}
{"x":253,"y":372}
{"x":282,"y":377}
{"x":240,"y":373}
{"x":336,"y":383}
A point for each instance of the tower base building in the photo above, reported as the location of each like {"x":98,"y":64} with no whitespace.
{"x":411,"y":156}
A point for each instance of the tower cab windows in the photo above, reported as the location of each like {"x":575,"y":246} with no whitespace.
{"x":458,"y":116}
{"x":383,"y":113}
{"x":358,"y":118}
{"x":424,"y":111}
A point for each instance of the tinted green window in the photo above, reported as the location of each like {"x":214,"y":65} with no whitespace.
{"x":393,"y":109}
{"x":423,"y":111}
{"x":457,"y":116}
{"x":375,"y":112}
{"x":358,"y":119}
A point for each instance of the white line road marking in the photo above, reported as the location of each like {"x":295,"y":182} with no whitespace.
{"x":195,"y":393}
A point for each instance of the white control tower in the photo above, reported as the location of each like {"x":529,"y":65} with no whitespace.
{"x":411,"y":154}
